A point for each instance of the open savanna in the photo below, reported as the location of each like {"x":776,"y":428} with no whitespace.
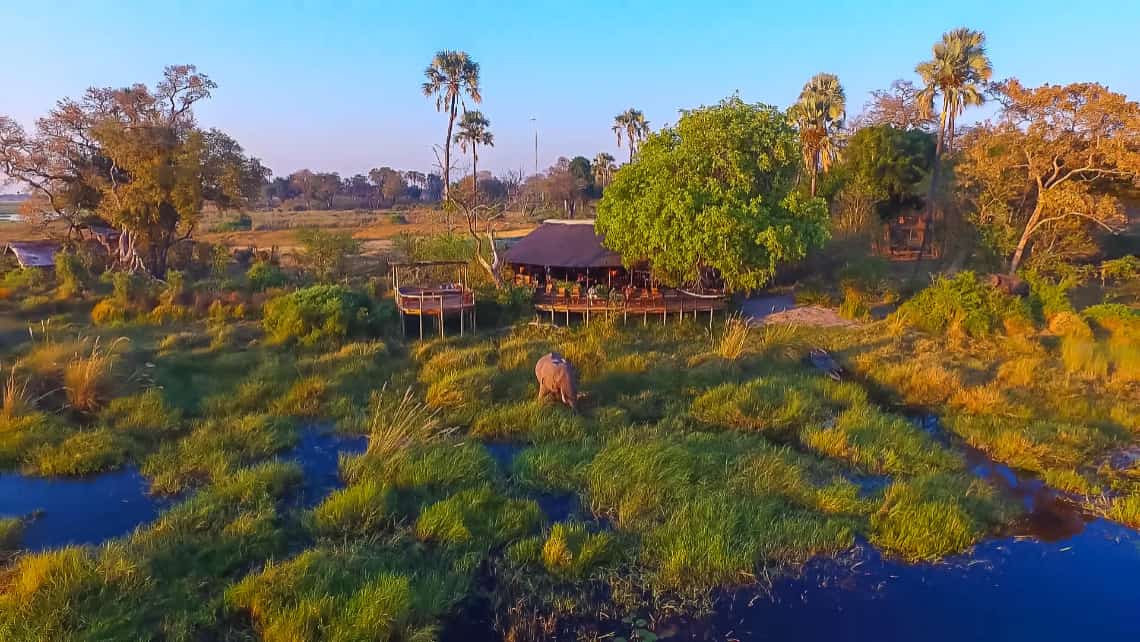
{"x":702,"y":458}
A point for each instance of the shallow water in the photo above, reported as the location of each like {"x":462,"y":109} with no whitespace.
{"x":84,"y":510}
{"x":94,"y":509}
{"x":318,"y":453}
{"x":1079,"y":587}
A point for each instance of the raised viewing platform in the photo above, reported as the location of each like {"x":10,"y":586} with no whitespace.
{"x":434,"y":301}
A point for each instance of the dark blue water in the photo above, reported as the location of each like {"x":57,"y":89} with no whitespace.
{"x":85,"y":510}
{"x":94,"y":509}
{"x":1011,"y":589}
{"x":318,"y":454}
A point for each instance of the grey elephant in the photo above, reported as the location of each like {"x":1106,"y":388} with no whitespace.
{"x":557,"y":378}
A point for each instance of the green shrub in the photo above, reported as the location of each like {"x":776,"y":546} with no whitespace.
{"x":1124,"y":268}
{"x":325,"y":253}
{"x":263,"y":275}
{"x":964,"y":303}
{"x":321,"y":313}
{"x":1049,"y":297}
{"x":71,"y":275}
{"x":24,"y":279}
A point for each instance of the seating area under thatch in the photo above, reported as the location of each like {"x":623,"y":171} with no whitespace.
{"x":574,"y":273}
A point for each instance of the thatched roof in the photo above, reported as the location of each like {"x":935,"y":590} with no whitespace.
{"x":563,"y":244}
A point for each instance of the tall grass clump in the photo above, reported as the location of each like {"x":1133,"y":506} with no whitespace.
{"x":964,"y":303}
{"x":87,"y":376}
{"x":11,"y":529}
{"x":568,"y":552}
{"x":359,"y":510}
{"x":17,"y":399}
{"x":930,"y":516}
{"x":400,"y":422}
{"x":733,"y":340}
{"x":478,"y":518}
{"x":394,"y":592}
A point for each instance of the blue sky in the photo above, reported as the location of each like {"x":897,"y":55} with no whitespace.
{"x":334,"y":86}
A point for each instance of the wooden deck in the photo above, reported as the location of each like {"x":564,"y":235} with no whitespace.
{"x":663,"y":305}
{"x":436,"y":302}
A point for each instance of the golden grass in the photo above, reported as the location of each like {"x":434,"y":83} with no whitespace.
{"x":398,"y":423}
{"x":16,"y":398}
{"x":87,"y":375}
{"x":733,"y":341}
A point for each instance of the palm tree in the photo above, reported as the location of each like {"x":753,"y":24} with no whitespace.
{"x":819,"y":115}
{"x":603,"y":167}
{"x":474,"y":130}
{"x":449,"y":76}
{"x":958,"y":72}
{"x":632,"y":122}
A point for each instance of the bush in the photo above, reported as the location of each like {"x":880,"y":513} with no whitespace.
{"x":263,"y":275}
{"x":23,"y":279}
{"x":71,"y":276}
{"x":322,"y":313}
{"x":326,"y":252}
{"x":962,"y":303}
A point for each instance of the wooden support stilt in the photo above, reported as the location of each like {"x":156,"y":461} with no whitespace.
{"x":421,"y":315}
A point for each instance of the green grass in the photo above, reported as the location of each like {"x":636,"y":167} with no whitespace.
{"x":930,"y":516}
{"x":707,"y":458}
{"x":11,"y":530}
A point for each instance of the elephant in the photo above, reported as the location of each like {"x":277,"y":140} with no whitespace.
{"x":556,"y":376}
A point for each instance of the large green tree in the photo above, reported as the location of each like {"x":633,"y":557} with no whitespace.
{"x":715,"y":191}
{"x":450,"y":75}
{"x":819,"y":114}
{"x":136,"y":157}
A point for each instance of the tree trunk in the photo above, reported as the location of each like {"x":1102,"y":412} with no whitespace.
{"x":447,"y":164}
{"x":1023,"y":242}
{"x":474,"y":176}
{"x":813,"y":182}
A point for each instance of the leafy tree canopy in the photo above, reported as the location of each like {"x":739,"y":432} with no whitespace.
{"x":1051,"y":169}
{"x":890,"y":165}
{"x":715,"y":191}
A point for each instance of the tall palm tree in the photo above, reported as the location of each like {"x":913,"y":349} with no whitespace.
{"x":819,"y":115}
{"x":603,"y":167}
{"x":632,"y":123}
{"x":450,"y":75}
{"x":474,"y":130}
{"x":958,"y":73}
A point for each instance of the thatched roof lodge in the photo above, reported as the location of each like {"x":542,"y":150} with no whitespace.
{"x":563,"y":244}
{"x":574,"y":273}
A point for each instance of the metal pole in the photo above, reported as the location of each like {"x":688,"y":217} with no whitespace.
{"x":441,"y":316}
{"x":534,"y":120}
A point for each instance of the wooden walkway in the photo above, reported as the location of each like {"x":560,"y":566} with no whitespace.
{"x":665,"y":305}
